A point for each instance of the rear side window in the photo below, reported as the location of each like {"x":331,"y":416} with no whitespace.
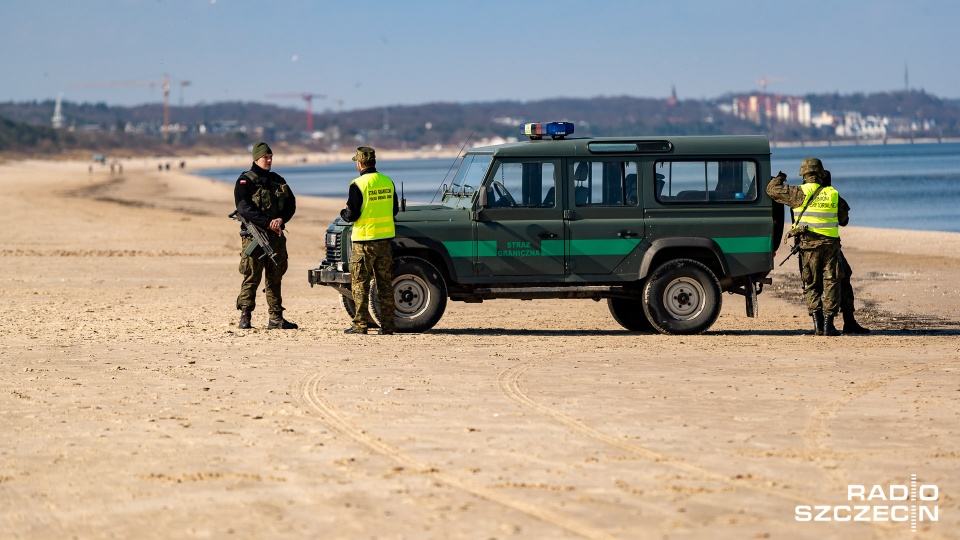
{"x":604,"y":183}
{"x":691,"y":182}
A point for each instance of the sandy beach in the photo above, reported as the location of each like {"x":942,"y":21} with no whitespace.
{"x":131,"y":406}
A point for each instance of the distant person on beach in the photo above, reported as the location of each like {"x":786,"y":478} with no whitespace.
{"x":817,"y":214}
{"x":371,"y":206}
{"x":850,"y":324}
{"x":266,"y":201}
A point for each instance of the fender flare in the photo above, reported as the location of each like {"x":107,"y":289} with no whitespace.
{"x":682,"y":242}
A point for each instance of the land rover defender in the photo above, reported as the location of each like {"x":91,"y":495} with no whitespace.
{"x":659,"y":227}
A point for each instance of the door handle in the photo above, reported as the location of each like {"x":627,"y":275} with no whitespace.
{"x":627,"y":234}
{"x":547,"y":235}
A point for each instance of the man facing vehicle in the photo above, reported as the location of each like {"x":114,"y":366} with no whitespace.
{"x":371,"y":206}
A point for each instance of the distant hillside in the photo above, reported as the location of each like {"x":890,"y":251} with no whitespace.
{"x":234,"y":126}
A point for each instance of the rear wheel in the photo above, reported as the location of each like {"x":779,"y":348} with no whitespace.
{"x":419,"y":295}
{"x":629,"y":313}
{"x":682,"y":297}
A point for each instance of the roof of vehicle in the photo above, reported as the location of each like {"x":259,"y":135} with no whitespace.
{"x":689,"y":145}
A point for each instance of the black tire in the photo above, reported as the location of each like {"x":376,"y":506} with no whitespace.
{"x":682,"y":297}
{"x":419,"y":294}
{"x":351,"y":308}
{"x":348,"y":305}
{"x":629,"y":313}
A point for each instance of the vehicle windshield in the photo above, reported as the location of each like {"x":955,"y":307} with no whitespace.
{"x":469,"y":177}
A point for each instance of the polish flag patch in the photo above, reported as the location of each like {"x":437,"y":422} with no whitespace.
{"x":243,"y":182}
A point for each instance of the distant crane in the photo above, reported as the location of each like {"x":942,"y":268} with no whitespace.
{"x":764,"y":81}
{"x":164,"y":84}
{"x":308,"y":97}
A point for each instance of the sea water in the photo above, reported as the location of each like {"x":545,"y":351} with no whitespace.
{"x":895,"y":186}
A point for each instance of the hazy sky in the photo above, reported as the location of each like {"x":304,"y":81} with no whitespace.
{"x":371,"y":53}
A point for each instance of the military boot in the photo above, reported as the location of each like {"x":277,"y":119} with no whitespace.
{"x":851,"y":326}
{"x":282,"y":324}
{"x":818,"y":323}
{"x":828,"y":328}
{"x":244,"y":319}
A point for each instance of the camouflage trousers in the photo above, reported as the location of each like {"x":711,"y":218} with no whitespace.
{"x":252,"y":267}
{"x":820,"y":272}
{"x":372,"y":260}
{"x":846,"y":288}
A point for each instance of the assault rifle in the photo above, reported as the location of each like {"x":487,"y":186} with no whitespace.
{"x":793,"y":251}
{"x":259,"y":239}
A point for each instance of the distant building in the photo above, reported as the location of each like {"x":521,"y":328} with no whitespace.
{"x":855,"y":125}
{"x":763,"y":109}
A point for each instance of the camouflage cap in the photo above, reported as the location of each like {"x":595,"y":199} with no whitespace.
{"x":811,"y":164}
{"x":365,"y":154}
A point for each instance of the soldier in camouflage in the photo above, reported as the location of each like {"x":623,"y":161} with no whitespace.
{"x":371,"y":206}
{"x":816,"y":229}
{"x":266,"y":201}
{"x":850,"y":324}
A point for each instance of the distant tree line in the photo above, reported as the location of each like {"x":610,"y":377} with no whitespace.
{"x":234,"y":126}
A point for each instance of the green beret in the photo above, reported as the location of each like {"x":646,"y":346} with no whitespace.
{"x":261,"y":149}
{"x":365,"y":154}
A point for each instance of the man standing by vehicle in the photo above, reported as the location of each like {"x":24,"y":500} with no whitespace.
{"x":265,"y":200}
{"x":371,"y":206}
{"x":816,"y":229}
{"x":850,"y":324}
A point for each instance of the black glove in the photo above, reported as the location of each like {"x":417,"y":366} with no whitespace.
{"x":781,"y":177}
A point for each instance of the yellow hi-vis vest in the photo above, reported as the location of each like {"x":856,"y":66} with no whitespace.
{"x":821,"y":213}
{"x":376,"y":214}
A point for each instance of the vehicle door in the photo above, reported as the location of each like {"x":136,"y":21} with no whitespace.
{"x":519,"y":220}
{"x":605,"y":222}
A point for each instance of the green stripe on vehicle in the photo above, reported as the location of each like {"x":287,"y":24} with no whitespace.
{"x":745,"y":244}
{"x":460,"y":248}
{"x":605,"y":246}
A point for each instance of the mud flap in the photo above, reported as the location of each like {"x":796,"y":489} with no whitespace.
{"x":750,"y":294}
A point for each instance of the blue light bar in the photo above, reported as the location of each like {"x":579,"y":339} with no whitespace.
{"x":554,"y":130}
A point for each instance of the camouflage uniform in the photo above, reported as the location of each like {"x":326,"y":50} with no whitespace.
{"x":372,"y":260}
{"x":252,"y":267}
{"x":820,"y":268}
{"x":371,"y":257}
{"x":262,"y":196}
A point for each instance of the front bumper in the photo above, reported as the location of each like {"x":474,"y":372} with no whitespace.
{"x":332,"y":275}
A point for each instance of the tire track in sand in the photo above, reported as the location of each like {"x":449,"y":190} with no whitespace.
{"x":815,"y":434}
{"x":510,"y":382}
{"x":309,"y":392}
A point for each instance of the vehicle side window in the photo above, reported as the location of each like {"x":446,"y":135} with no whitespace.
{"x":605,"y":183}
{"x":526,"y":184}
{"x":706,"y":181}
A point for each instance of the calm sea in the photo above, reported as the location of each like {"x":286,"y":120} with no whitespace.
{"x":901,"y":186}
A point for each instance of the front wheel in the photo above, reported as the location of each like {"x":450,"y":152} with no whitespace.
{"x":682,"y":297}
{"x":348,"y":305}
{"x":419,"y":295}
{"x":629,"y":313}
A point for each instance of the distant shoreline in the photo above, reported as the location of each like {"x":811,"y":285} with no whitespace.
{"x":864,"y":142}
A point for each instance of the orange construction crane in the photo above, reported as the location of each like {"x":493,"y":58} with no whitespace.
{"x":164,"y":84}
{"x":308,"y":97}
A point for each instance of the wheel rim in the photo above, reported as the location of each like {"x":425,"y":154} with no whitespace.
{"x":683,"y":298}
{"x":410,"y":295}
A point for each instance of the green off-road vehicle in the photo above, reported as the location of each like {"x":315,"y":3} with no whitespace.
{"x":660,"y":227}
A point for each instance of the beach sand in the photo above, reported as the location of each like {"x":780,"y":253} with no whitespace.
{"x":131,"y":406}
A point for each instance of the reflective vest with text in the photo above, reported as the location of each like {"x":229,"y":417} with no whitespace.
{"x":376,"y":214}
